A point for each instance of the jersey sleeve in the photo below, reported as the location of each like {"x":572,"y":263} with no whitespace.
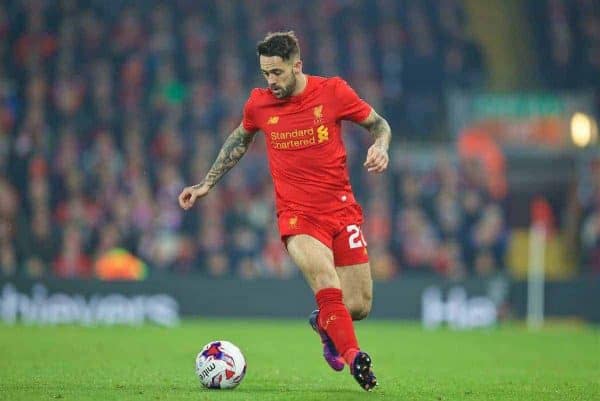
{"x":351,"y":106}
{"x":249,"y":118}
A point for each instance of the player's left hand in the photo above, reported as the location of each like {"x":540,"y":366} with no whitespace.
{"x":377,"y":159}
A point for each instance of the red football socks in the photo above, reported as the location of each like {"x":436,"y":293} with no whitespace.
{"x":337,"y":323}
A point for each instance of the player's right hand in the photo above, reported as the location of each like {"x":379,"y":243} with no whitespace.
{"x":377,"y":159}
{"x":188,"y":196}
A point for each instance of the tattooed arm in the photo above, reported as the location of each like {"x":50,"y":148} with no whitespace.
{"x":377,"y":157}
{"x":235,"y":146}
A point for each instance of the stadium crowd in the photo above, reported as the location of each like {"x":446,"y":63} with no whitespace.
{"x":588,"y":211}
{"x":108,"y":108}
{"x":567,"y":36}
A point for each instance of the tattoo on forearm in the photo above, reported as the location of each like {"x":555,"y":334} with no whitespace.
{"x":235,"y":146}
{"x":381,"y":131}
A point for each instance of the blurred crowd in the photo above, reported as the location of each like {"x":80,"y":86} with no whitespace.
{"x":447,"y":219}
{"x":568,"y":42}
{"x":567,"y":37}
{"x":108,"y":109}
{"x":588,"y":208}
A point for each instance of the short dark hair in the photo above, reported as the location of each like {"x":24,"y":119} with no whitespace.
{"x":282,"y":44}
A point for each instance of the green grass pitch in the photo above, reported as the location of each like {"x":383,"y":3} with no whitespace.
{"x":284,"y":363}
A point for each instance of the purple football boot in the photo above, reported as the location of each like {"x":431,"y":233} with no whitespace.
{"x":331,"y":355}
{"x":360,"y":368}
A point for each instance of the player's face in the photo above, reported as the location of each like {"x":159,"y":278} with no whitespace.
{"x":280,"y":75}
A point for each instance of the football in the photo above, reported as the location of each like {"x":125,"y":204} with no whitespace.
{"x":220,"y":365}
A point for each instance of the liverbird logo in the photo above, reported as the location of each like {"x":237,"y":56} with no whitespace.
{"x":318,"y":112}
{"x":273,"y":120}
{"x":293,"y":222}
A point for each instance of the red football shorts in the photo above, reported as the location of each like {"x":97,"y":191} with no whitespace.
{"x":339,"y":231}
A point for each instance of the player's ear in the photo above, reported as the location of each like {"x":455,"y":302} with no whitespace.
{"x":297,"y":67}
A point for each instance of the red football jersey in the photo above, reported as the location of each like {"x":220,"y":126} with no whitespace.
{"x":306,"y":152}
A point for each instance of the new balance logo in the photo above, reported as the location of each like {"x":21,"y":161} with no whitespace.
{"x":273,"y":120}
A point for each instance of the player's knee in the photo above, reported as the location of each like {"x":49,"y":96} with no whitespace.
{"x":359,"y":312}
{"x":359,"y":308}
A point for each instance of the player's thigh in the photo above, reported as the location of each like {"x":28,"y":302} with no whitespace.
{"x":315,"y":260}
{"x":353,"y":269}
{"x":357,"y":286}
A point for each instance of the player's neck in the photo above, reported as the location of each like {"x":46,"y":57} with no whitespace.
{"x":301,"y":83}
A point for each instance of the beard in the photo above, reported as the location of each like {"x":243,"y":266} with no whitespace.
{"x":281,"y":92}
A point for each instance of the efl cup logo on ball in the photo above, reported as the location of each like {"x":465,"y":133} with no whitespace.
{"x":220,"y":365}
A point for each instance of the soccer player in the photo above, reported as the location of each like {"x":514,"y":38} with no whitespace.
{"x":318,"y":217}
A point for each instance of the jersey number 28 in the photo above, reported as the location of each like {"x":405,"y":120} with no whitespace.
{"x":356,"y":239}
